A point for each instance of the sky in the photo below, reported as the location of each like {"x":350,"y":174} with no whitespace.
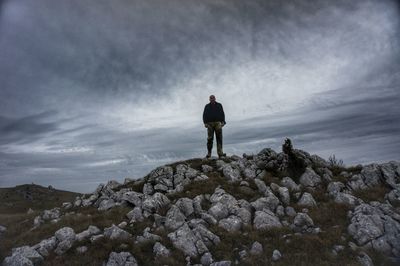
{"x":98,"y":90}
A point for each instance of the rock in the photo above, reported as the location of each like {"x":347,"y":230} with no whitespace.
{"x":3,"y":229}
{"x":232,"y":174}
{"x":160,"y":250}
{"x":134,"y":198}
{"x":185,"y":240}
{"x":185,"y":205}
{"x":290,"y":211}
{"x":17,"y":260}
{"x":67,"y":205}
{"x":302,"y":220}
{"x":30,"y":211}
{"x":174,"y":218}
{"x":135,"y":215}
{"x":106,"y":204}
{"x":114,"y":232}
{"x":266,"y":219}
{"x":206,"y":168}
{"x":270,"y":202}
{"x":147,"y":237}
{"x":256,"y":248}
{"x":54,"y":213}
{"x":221,"y":263}
{"x":63,"y":247}
{"x":148,"y":189}
{"x":309,"y":178}
{"x":45,"y":246}
{"x":155,"y":202}
{"x":290,"y":184}
{"x":206,"y":259}
{"x":96,"y":238}
{"x":81,"y":249}
{"x":28,"y":253}
{"x":284,"y":195}
{"x":219,"y":211}
{"x":209,"y":239}
{"x":262,"y":188}
{"x":307,"y":200}
{"x":92,"y":230}
{"x":121,"y":259}
{"x":377,"y":225}
{"x":334,"y":188}
{"x":65,"y":233}
{"x":276,"y":255}
{"x":393,"y":197}
{"x":232,"y":223}
{"x":348,"y":199}
{"x":364,"y":259}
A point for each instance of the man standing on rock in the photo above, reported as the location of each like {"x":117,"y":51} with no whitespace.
{"x":214,"y":120}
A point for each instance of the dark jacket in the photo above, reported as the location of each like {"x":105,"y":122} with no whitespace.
{"x":213,"y":113}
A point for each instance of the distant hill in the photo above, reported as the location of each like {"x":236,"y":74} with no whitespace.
{"x":269,"y":208}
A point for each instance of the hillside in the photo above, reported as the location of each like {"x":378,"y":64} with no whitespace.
{"x":269,"y":208}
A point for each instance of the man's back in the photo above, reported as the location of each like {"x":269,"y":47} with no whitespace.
{"x":213,"y":112}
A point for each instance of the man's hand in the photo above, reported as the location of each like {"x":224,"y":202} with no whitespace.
{"x":223,"y":124}
{"x":206,"y":125}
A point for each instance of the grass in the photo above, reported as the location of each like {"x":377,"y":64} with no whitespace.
{"x":376,"y":193}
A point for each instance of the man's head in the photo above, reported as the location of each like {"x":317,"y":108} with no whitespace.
{"x":212,"y":99}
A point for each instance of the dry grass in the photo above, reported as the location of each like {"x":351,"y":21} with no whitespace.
{"x":376,"y":193}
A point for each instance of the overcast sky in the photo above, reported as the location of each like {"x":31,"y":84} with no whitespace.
{"x":93,"y":90}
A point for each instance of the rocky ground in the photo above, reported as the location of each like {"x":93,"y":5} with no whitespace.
{"x":269,"y":208}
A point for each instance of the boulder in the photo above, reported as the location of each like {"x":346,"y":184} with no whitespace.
{"x":266,"y":219}
{"x":309,"y":178}
{"x":121,"y":259}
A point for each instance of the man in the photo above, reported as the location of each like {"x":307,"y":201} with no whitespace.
{"x":214,"y":120}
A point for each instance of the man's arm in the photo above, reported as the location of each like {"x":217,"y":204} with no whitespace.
{"x":223,"y":114}
{"x":204,"y":114}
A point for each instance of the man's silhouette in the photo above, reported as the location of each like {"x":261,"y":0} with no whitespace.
{"x":214,"y":120}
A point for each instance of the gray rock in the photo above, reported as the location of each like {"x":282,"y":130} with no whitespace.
{"x":364,"y":259}
{"x":290,"y":211}
{"x":206,"y":259}
{"x":17,"y":260}
{"x":155,"y":202}
{"x":106,"y":204}
{"x":45,"y":246}
{"x":376,"y":225}
{"x":185,"y":240}
{"x":174,"y":218}
{"x":335,"y":187}
{"x":185,"y":205}
{"x":147,"y":237}
{"x":208,"y":218}
{"x":133,"y":197}
{"x":209,"y":239}
{"x":27,"y":252}
{"x":256,"y":248}
{"x":121,"y":259}
{"x":221,"y":263}
{"x":54,"y":213}
{"x":148,"y":189}
{"x":393,"y":197}
{"x":96,"y":238}
{"x":266,"y":219}
{"x":3,"y":229}
{"x":232,"y":223}
{"x":67,"y":205}
{"x":309,"y":178}
{"x":262,"y":188}
{"x":302,"y":220}
{"x":114,"y":232}
{"x":345,"y":198}
{"x":65,"y":233}
{"x":92,"y":230}
{"x":135,"y":215}
{"x":290,"y":184}
{"x":206,"y":168}
{"x":219,"y":211}
{"x":232,"y":174}
{"x":160,"y":250}
{"x":270,"y":202}
{"x":307,"y":200}
{"x":276,"y":255}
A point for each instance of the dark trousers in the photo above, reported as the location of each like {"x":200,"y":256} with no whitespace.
{"x":217,"y":128}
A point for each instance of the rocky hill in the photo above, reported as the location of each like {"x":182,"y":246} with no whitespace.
{"x":269,"y":208}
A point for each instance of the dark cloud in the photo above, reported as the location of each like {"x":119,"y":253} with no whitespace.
{"x":107,"y":90}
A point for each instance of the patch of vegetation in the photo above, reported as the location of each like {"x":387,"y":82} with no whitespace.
{"x":376,"y":193}
{"x":19,"y":226}
{"x":20,"y":198}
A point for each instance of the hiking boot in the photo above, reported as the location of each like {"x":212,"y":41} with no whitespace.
{"x":221,"y":155}
{"x":208,"y":155}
